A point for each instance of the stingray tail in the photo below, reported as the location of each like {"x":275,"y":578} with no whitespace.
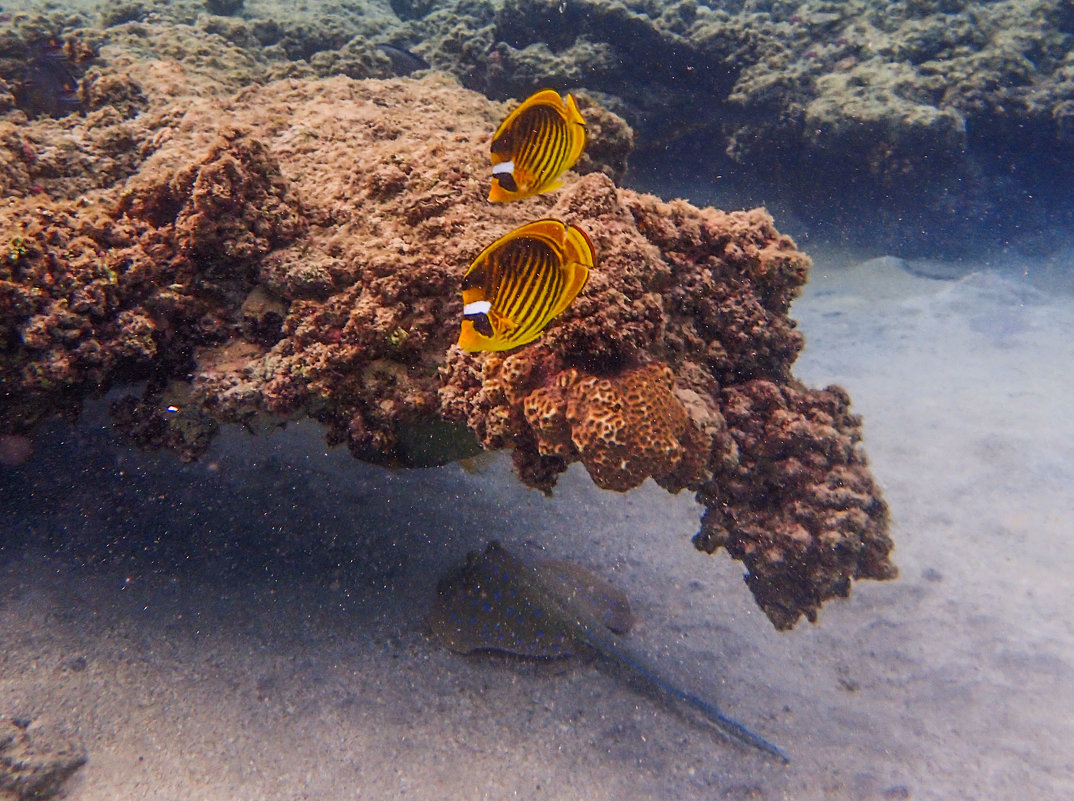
{"x":728,"y":726}
{"x":592,"y":632}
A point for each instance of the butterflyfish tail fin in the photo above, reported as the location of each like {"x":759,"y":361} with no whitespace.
{"x":573,"y":115}
{"x":579,"y":277}
{"x":578,"y":141}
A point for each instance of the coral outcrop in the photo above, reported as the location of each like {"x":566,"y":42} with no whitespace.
{"x":624,"y":428}
{"x":797,"y":505}
{"x":834,"y":106}
{"x":297,"y":249}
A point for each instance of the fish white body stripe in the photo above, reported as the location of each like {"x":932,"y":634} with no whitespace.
{"x":477,"y":307}
{"x":503,"y":167}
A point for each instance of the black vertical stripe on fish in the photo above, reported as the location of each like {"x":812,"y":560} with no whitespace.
{"x":551,"y":298}
{"x":562,"y":136}
{"x":512,"y":272}
{"x":552,"y":286}
{"x":545,"y":153}
{"x":530,"y":258}
{"x":534,"y":154}
{"x":543,"y":272}
{"x":499,"y":282}
{"x":536,"y":268}
{"x":528,"y":150}
{"x":524,"y":313}
{"x":551,"y":289}
{"x":557,"y":146}
{"x":508,"y":267}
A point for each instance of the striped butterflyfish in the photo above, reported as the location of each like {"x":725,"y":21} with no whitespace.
{"x":520,"y":282}
{"x":538,"y":142}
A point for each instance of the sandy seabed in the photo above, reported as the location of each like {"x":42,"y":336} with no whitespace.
{"x":251,"y":626}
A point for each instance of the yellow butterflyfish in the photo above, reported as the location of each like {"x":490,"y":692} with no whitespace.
{"x":538,"y":142}
{"x":520,"y":282}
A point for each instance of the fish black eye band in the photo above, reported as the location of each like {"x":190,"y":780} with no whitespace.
{"x":505,"y":174}
{"x":478,"y":314}
{"x":482,"y":324}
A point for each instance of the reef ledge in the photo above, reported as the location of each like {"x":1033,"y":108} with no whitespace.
{"x":297,"y":250}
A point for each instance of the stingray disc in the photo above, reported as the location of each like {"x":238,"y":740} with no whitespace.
{"x":478,"y":606}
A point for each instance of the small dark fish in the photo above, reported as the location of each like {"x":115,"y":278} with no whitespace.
{"x":403,"y":61}
{"x":223,"y":8}
{"x":48,"y":87}
{"x":498,"y":602}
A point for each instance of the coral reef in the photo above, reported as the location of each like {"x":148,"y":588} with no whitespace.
{"x":798,"y":506}
{"x":834,"y":106}
{"x":296,"y":248}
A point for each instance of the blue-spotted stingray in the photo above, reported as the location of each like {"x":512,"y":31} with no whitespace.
{"x":497,"y":602}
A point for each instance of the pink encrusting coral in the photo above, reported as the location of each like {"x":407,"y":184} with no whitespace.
{"x":298,"y":249}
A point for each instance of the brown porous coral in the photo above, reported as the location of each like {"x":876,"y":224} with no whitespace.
{"x":798,"y":506}
{"x":297,"y":249}
{"x":625,"y":427}
{"x":99,"y":290}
